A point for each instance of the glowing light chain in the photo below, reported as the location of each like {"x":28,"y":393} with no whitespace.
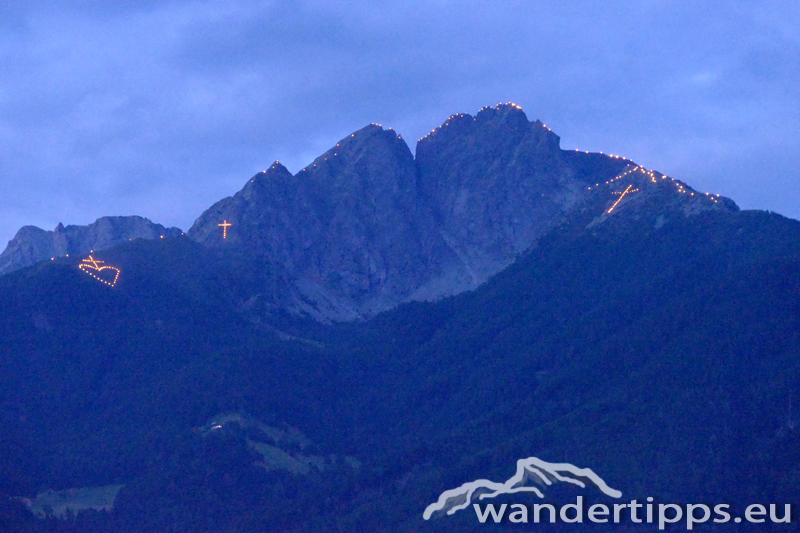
{"x":338,"y":145}
{"x":649,"y":173}
{"x":225,"y":225}
{"x":270,"y":168}
{"x":652,"y":176}
{"x":462,"y":115}
{"x":336,"y":154}
{"x":622,"y":194}
{"x":93,"y":264}
{"x":609,"y":155}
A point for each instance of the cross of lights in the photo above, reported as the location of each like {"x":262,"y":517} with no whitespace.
{"x":622,"y":194}
{"x":225,"y":225}
{"x":93,"y":261}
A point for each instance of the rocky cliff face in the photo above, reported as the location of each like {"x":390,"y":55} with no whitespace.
{"x":495,"y":183}
{"x":31,"y":244}
{"x":350,"y":230}
{"x":366,"y":227}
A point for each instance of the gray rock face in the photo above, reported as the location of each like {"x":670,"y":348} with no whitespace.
{"x":350,"y":228}
{"x":495,"y":183}
{"x":31,"y":244}
{"x":366,"y":227}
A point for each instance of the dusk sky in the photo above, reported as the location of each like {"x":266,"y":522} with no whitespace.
{"x":160,"y":109}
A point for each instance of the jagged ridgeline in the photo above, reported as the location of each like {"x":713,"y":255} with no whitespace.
{"x":31,"y":244}
{"x":366,"y":227}
{"x":331,"y":350}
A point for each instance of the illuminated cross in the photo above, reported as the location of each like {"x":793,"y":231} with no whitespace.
{"x":94,"y":261}
{"x":622,"y":194}
{"x":225,"y":225}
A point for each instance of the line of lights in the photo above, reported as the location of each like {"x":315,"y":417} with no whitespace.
{"x":637,"y":168}
{"x":649,"y":173}
{"x":93,"y":264}
{"x":270,"y":168}
{"x":338,"y":145}
{"x":462,"y":115}
{"x":622,"y":195}
{"x":653,"y":178}
{"x":617,"y":177}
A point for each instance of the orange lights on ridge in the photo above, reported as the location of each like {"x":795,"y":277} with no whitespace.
{"x":651,"y":175}
{"x":461,"y":115}
{"x":93,"y":264}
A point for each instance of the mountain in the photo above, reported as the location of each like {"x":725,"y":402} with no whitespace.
{"x":648,"y":332}
{"x":349,"y":229}
{"x":366,"y":227}
{"x":31,"y":244}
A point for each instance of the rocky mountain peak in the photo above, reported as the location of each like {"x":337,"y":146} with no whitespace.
{"x":347,"y":231}
{"x":31,"y":244}
{"x":509,"y":115}
{"x":495,"y":182}
{"x":365,"y":226}
{"x":275,"y":173}
{"x":650,"y":197}
{"x":372,"y":148}
{"x":491,"y":131}
{"x":277,"y":169}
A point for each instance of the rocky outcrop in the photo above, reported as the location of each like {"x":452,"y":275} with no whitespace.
{"x":31,"y":244}
{"x":366,"y":227}
{"x":349,"y":229}
{"x":495,"y":183}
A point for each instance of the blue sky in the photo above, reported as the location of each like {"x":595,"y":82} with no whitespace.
{"x":162,"y":108}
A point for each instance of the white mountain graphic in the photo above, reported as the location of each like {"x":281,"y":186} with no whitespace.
{"x":530,"y":470}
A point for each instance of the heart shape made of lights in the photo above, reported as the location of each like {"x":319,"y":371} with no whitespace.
{"x":92,"y":267}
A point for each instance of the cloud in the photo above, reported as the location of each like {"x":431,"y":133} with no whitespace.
{"x":160,"y":109}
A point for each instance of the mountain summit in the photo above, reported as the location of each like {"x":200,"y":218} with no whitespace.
{"x":349,"y":230}
{"x":366,"y":227}
{"x":32,"y":244}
